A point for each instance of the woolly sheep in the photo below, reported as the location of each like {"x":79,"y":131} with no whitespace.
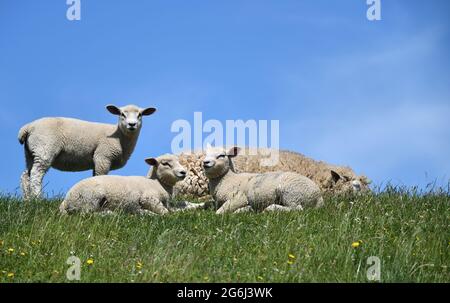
{"x":70,"y":144}
{"x":236,"y":192}
{"x":135,"y":194}
{"x":331,"y":179}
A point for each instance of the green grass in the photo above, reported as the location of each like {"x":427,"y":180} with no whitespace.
{"x":408,"y":232}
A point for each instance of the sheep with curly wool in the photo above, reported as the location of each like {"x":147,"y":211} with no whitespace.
{"x":70,"y":144}
{"x":134,"y":194}
{"x":332,"y":179}
{"x":236,"y":192}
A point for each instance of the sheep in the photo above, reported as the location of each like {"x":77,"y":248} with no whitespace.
{"x":332,"y":179}
{"x":133,"y":194}
{"x":68,"y":144}
{"x":272,"y":191}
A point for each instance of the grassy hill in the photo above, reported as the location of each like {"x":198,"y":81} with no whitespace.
{"x":409,"y":233}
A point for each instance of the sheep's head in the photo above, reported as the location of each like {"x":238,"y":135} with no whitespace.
{"x":217,"y":161}
{"x":348,"y":183}
{"x":167,"y":169}
{"x":130,"y":116}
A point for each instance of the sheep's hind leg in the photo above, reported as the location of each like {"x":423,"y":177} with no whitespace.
{"x":277,"y":207}
{"x":25,"y":178}
{"x":25,"y":184}
{"x":37,"y":173}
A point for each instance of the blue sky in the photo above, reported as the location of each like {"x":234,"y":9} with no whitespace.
{"x":371,"y":95}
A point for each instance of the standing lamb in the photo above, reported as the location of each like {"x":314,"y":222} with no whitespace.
{"x":69,"y":144}
{"x":143,"y":195}
{"x":236,"y":192}
{"x":332,"y":179}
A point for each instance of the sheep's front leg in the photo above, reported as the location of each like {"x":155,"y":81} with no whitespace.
{"x":245,"y":209}
{"x":104,"y":213}
{"x":146,"y":212}
{"x":153,"y":205}
{"x":186,"y":205}
{"x":102,"y":166}
{"x":277,"y":207}
{"x":233,"y":204}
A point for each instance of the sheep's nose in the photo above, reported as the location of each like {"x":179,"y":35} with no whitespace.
{"x":181,"y":174}
{"x":356,"y":185}
{"x":132,"y":124}
{"x":206,"y":163}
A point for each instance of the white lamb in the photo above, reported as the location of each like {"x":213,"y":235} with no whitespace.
{"x":237,"y":192}
{"x":74,"y":145}
{"x":143,"y":195}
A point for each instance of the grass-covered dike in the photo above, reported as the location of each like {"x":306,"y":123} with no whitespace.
{"x":408,"y":232}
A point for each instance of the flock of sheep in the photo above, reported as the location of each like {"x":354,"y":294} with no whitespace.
{"x":236,"y":182}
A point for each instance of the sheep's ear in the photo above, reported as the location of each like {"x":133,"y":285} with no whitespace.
{"x":151,"y":161}
{"x":365,"y":180}
{"x":113,"y":109}
{"x":335,"y":176}
{"x":148,"y":111}
{"x":233,"y":152}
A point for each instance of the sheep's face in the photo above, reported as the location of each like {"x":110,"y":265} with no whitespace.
{"x":130,"y":117}
{"x":167,"y":169}
{"x":217,"y":161}
{"x":344,"y":183}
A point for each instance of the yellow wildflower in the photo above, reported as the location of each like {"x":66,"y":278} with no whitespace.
{"x":10,"y":275}
{"x":10,"y":250}
{"x":138,"y":265}
{"x":291,"y":256}
{"x":23,"y":254}
{"x":90,"y":261}
{"x":260,"y":278}
{"x":356,"y":244}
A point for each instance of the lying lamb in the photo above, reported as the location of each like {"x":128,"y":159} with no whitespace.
{"x":237,"y":192}
{"x":75,"y":145}
{"x":141,"y":195}
{"x":331,"y":179}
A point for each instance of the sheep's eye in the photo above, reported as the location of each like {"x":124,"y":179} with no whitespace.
{"x":139,"y":116}
{"x":123,"y":115}
{"x":166,"y":164}
{"x":220,"y":156}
